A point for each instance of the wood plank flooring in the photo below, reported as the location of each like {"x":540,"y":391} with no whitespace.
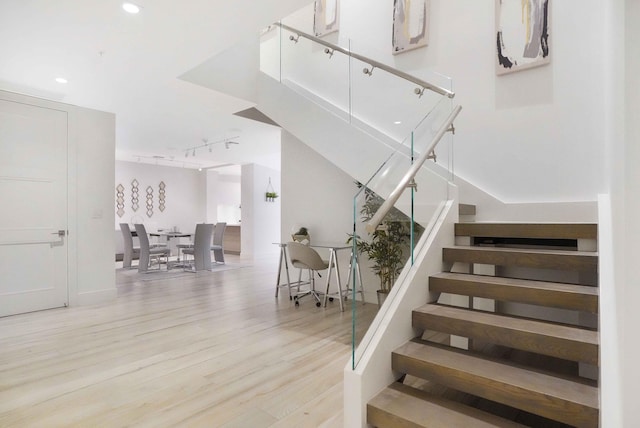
{"x":211,"y":350}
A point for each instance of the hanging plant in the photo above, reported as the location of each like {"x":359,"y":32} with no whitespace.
{"x":270,"y":196}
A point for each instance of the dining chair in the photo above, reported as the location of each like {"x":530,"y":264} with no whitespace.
{"x":304,"y":257}
{"x":148,"y":252}
{"x":218,"y":247}
{"x":130,"y":252}
{"x":200,"y":251}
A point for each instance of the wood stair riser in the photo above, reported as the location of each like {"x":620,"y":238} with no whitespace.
{"x":489,"y":385}
{"x":528,"y":230}
{"x":580,"y":298}
{"x":567,"y":346}
{"x":532,"y":259}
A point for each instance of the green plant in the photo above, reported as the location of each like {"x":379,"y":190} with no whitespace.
{"x":302,"y":231}
{"x":389,"y":243}
{"x":270,"y":196}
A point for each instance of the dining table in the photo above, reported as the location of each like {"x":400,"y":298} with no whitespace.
{"x":172,"y":239}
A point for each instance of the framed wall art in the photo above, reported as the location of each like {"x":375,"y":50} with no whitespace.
{"x":410,"y":25}
{"x":326,"y":17}
{"x":522,"y":34}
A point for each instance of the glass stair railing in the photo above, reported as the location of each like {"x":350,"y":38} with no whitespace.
{"x":388,"y":223}
{"x":399,"y":203}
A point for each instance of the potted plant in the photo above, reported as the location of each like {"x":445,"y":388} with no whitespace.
{"x":388,"y":245}
{"x":301,"y":235}
{"x":271,"y":196}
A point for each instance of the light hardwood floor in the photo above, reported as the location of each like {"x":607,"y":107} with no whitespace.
{"x":210,"y":350}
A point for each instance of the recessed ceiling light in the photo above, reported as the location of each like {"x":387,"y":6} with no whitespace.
{"x":397,"y":122}
{"x":131,"y":8}
{"x":61,"y":80}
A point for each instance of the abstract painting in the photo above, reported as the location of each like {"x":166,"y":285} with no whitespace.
{"x":326,"y":17}
{"x":410,"y":25}
{"x":522,"y":34}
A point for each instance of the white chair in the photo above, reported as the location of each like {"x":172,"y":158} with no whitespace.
{"x":148,"y":253}
{"x":217,"y":247}
{"x":305,"y":257}
{"x":130,"y":252}
{"x":201,"y":250}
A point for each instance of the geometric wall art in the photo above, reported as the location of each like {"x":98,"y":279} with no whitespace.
{"x":522,"y":34}
{"x":410,"y":25}
{"x":149,"y":201}
{"x":120,"y":200}
{"x":134,"y":195}
{"x":326,"y":17}
{"x":161,"y":196}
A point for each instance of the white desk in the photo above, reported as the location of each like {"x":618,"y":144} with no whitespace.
{"x":283,"y":259}
{"x":341,"y":294}
{"x":334,"y":266}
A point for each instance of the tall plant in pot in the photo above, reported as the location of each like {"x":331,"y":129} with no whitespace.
{"x":389,"y":245}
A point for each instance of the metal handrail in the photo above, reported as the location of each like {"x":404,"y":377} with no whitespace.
{"x":407,"y":180}
{"x":373,"y":63}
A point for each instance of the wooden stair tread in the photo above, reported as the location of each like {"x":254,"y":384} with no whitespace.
{"x":529,"y":230}
{"x":571,"y":343}
{"x":555,"y":398}
{"x":536,"y":258}
{"x":568,"y":296}
{"x":400,"y":406}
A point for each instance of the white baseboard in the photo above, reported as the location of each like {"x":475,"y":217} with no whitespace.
{"x":96,"y":297}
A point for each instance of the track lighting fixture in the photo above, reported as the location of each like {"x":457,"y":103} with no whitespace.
{"x":206,"y":144}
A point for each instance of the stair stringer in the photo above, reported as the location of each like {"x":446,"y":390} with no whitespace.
{"x":392,"y":325}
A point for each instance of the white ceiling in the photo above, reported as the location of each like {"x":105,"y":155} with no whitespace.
{"x":136,"y":66}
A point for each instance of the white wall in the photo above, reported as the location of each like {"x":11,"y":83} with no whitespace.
{"x":94,"y":135}
{"x":319,"y":196}
{"x":626,"y":214}
{"x":185,"y":196}
{"x":538,"y":133}
{"x":223,"y":198}
{"x":260,"y":219}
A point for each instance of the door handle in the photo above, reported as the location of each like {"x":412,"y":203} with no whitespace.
{"x":61,"y":233}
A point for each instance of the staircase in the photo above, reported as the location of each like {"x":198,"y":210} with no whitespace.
{"x":516,"y":362}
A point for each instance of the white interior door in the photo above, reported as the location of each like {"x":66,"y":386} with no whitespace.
{"x":33,"y":194}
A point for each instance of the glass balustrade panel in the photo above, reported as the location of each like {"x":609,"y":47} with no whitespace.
{"x":270,"y":55}
{"x":383,"y":103}
{"x":315,"y":72}
{"x":412,"y":217}
{"x":402,"y":116}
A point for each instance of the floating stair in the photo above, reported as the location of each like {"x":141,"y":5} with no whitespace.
{"x":567,"y":342}
{"x":541,"y":259}
{"x":401,"y":406}
{"x":536,"y":375}
{"x":551,"y":294}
